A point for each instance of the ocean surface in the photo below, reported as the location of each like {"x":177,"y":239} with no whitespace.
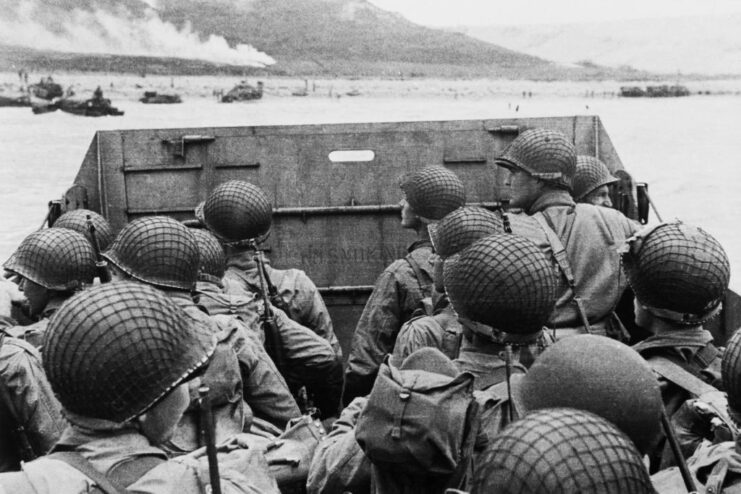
{"x":687,"y":149}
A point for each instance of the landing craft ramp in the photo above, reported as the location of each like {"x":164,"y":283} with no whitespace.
{"x":334,"y":188}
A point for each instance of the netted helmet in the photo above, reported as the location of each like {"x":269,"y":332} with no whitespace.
{"x":678,"y":272}
{"x":55,"y":258}
{"x":561,"y":451}
{"x":236,"y":211}
{"x":77,"y":220}
{"x":602,"y":376}
{"x":545,"y":154}
{"x":212,"y":258}
{"x":731,"y":372}
{"x":157,"y":250}
{"x":504,"y":281}
{"x":462,"y":227}
{"x":113,"y":351}
{"x":591,"y":174}
{"x":433,"y":191}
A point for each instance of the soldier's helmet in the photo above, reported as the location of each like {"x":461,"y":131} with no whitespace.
{"x":545,"y":154}
{"x":77,"y":220}
{"x":212,"y":261}
{"x":731,"y":373}
{"x":504,"y":281}
{"x":157,"y":250}
{"x":55,"y":258}
{"x":433,"y":191}
{"x":678,"y":272}
{"x":113,"y":351}
{"x":561,"y":451}
{"x":602,"y":376}
{"x":461,"y":228}
{"x":236,"y":210}
{"x":591,"y":174}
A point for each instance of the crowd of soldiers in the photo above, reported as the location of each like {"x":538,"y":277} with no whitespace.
{"x":173,"y":357}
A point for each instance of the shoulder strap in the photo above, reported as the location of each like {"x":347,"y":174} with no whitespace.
{"x":80,"y":463}
{"x":671,"y":371}
{"x":130,"y":470}
{"x":425,"y":290}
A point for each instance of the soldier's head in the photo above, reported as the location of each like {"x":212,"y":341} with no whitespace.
{"x":458,"y":230}
{"x":731,"y":373}
{"x":560,"y":451}
{"x":602,"y":376}
{"x":502,"y":283}
{"x":52,"y":262}
{"x":156,"y":250}
{"x":119,"y":353}
{"x":77,"y":220}
{"x":429,"y":194}
{"x":679,"y":274}
{"x":538,"y":159}
{"x":237,"y":211}
{"x":212,"y":260}
{"x":592,"y":181}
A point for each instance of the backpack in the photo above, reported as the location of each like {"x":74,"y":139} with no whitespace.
{"x":418,"y":422}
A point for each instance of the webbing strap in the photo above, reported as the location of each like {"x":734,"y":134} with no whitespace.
{"x":81,"y":464}
{"x":425,"y":289}
{"x":673,"y":372}
{"x":561,"y":257}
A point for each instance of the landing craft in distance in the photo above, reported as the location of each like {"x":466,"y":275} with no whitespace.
{"x":243,"y":92}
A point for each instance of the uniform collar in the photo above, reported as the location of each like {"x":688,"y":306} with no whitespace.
{"x":551,"y":198}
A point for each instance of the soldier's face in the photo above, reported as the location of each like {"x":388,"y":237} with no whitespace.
{"x":599,"y":197}
{"x":37,"y":295}
{"x":524,"y":189}
{"x":159,"y":423}
{"x":408,"y":218}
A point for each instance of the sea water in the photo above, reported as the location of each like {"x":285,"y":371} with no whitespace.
{"x":687,"y":149}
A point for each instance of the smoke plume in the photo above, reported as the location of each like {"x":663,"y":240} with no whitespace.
{"x":116,"y":30}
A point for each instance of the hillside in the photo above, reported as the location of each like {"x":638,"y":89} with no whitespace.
{"x":328,"y":38}
{"x":709,"y":45}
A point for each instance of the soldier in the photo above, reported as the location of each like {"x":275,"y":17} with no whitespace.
{"x":715,"y":465}
{"x":429,"y":194}
{"x":52,"y":265}
{"x":584,"y":238}
{"x":592,"y":182}
{"x":240,"y":215}
{"x":163,"y":253}
{"x":679,"y":274}
{"x":77,"y":220}
{"x":561,"y":451}
{"x":120,"y":358}
{"x":309,"y":359}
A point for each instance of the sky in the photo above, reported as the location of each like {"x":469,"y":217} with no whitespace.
{"x":517,"y":12}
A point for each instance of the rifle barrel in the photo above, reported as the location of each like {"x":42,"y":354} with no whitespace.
{"x":207,"y":427}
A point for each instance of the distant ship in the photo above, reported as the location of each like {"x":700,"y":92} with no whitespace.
{"x":243,"y":92}
{"x":662,"y":91}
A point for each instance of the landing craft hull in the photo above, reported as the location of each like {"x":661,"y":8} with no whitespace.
{"x":334,"y":187}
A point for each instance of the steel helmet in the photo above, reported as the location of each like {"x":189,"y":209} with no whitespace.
{"x":55,"y":258}
{"x":591,"y":174}
{"x":545,"y":154}
{"x":433,"y":191}
{"x":113,"y":351}
{"x":236,"y":211}
{"x":462,"y":227}
{"x":677,"y":271}
{"x":77,"y":220}
{"x":561,"y":451}
{"x":157,"y":250}
{"x":602,"y":376}
{"x":504,"y":281}
{"x":211,"y":254}
{"x":731,"y":372}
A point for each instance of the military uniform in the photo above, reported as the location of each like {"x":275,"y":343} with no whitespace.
{"x":34,"y":333}
{"x":441,"y":330}
{"x":396,"y":295}
{"x":27,"y":401}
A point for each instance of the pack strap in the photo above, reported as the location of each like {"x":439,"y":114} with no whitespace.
{"x":673,"y":372}
{"x":561,"y":257}
{"x":81,"y":464}
{"x":425,"y":290}
{"x":706,"y":355}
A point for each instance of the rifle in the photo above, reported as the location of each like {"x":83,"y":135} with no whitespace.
{"x":207,"y":428}
{"x":273,"y":342}
{"x":25,"y":450}
{"x":101,"y":266}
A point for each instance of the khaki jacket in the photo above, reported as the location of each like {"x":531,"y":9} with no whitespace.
{"x":440,"y":330}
